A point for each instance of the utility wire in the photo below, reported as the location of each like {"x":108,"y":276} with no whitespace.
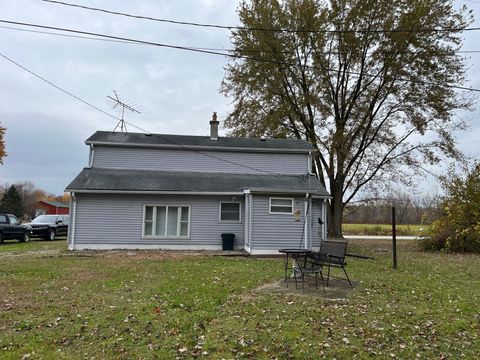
{"x":135,"y":126}
{"x":210,"y":52}
{"x":58,"y":87}
{"x":66,"y":35}
{"x":124,"y":39}
{"x":93,"y":37}
{"x":229,"y":27}
{"x":222,"y":159}
{"x":67,"y":92}
{"x":194,"y":47}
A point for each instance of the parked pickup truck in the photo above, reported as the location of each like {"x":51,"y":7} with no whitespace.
{"x":10,"y":228}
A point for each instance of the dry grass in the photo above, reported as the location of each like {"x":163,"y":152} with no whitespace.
{"x":142,"y":305}
{"x":382,"y":229}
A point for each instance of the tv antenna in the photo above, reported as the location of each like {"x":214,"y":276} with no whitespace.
{"x":118,"y":103}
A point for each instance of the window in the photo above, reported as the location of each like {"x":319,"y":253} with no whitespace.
{"x":281,"y":206}
{"x":13,"y":221}
{"x":230,"y":211}
{"x":166,"y":221}
{"x":3,"y":219}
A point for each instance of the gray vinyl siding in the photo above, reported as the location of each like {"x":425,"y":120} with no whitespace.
{"x":113,"y":219}
{"x":276,"y":231}
{"x":186,"y":160}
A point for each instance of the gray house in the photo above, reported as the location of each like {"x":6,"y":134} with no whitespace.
{"x":152,"y":191}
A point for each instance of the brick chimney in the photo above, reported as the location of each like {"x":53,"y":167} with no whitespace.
{"x":214,"y":127}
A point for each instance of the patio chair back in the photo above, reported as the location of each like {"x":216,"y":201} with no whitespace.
{"x":334,"y":251}
{"x":332,"y":254}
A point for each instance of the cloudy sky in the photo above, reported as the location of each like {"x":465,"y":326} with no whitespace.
{"x":175,"y":90}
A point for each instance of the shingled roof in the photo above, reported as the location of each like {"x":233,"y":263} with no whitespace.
{"x":113,"y":180}
{"x":198,"y":142}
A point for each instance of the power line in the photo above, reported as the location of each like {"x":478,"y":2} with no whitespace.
{"x":66,"y":35}
{"x":193,"y":47}
{"x":93,"y":37}
{"x":134,"y":126}
{"x":210,"y":52}
{"x":68,"y":92}
{"x":124,"y":39}
{"x":230,"y":27}
{"x":219,"y":158}
{"x":57,"y":87}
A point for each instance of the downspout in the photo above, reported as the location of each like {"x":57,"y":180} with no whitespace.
{"x":310,"y":173}
{"x":247,"y":243}
{"x":309,"y":162}
{"x":324,"y":220}
{"x":73,"y":200}
{"x":310,"y":230}
{"x":307,"y":216}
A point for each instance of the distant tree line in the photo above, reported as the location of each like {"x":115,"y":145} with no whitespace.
{"x":410,"y":209}
{"x":20,"y":198}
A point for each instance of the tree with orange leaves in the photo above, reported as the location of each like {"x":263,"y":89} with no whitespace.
{"x":3,"y":153}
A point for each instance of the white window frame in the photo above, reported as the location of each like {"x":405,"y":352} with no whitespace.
{"x":276,"y":212}
{"x":230,"y":221}
{"x":154,"y":221}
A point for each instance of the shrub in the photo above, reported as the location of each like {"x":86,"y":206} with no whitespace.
{"x":458,"y":229}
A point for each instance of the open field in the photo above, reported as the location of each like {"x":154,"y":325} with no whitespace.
{"x":142,"y":305}
{"x":382,"y":229}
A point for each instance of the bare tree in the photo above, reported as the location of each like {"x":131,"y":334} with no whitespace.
{"x":370,"y":84}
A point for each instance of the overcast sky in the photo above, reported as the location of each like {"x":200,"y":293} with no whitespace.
{"x":175,"y":90}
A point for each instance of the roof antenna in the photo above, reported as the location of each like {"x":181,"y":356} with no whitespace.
{"x":121,"y":123}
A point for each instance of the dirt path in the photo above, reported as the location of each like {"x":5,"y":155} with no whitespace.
{"x":31,"y":253}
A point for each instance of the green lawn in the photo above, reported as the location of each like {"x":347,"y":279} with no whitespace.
{"x":14,"y":246}
{"x":382,"y":229}
{"x":124,"y":305}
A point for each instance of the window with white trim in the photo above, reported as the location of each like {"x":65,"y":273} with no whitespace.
{"x":281,"y":206}
{"x":230,"y":212}
{"x":166,"y":221}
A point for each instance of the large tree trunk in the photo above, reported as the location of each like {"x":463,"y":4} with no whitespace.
{"x":336,"y":212}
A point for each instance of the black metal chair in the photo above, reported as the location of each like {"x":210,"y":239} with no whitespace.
{"x":304,"y":267}
{"x":331,"y":254}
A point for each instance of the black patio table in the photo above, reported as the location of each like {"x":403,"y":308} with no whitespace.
{"x":293,"y":253}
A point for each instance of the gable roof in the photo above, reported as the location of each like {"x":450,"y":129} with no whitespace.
{"x":198,"y":142}
{"x":57,"y":204}
{"x":137,"y":181}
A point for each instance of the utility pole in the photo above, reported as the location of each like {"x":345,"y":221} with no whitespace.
{"x":394,"y":239}
{"x":121,"y":123}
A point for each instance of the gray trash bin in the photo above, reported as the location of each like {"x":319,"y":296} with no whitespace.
{"x":227,"y":241}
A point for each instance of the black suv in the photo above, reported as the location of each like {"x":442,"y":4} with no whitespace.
{"x":49,"y":226}
{"x":10,"y":228}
